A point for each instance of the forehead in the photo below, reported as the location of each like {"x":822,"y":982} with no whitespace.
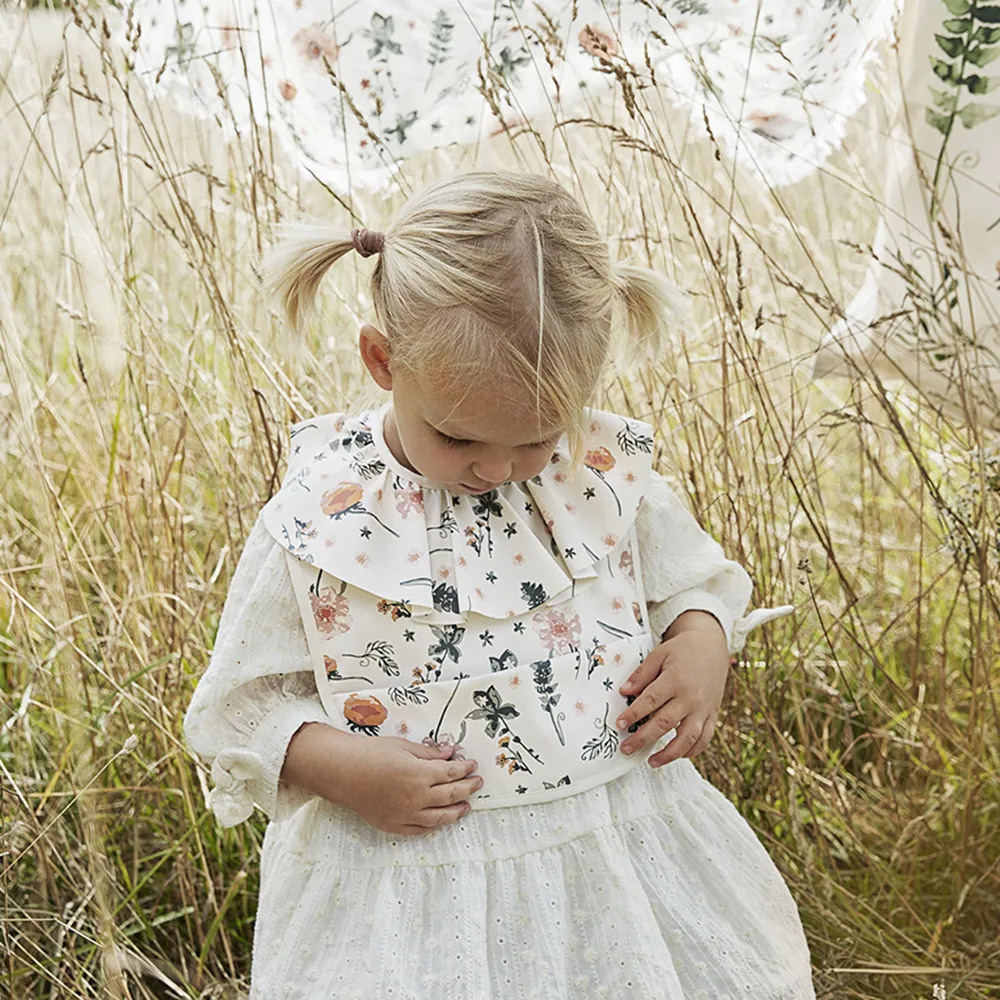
{"x":495,"y":414}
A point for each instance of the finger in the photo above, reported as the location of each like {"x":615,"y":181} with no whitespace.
{"x":455,"y":791}
{"x":658,"y":692}
{"x":435,"y":816}
{"x":706,"y":735}
{"x":645,"y":672}
{"x":687,"y":736}
{"x":666,"y":718}
{"x":429,"y":752}
{"x":451,"y":770}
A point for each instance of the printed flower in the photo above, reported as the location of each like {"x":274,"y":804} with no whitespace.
{"x":557,"y":630}
{"x":580,"y":708}
{"x":600,"y":460}
{"x":610,"y":540}
{"x":331,"y":612}
{"x":288,"y":90}
{"x":617,"y":604}
{"x":596,"y":42}
{"x":444,"y":741}
{"x":409,"y":500}
{"x":365,"y":712}
{"x":625,"y":563}
{"x":637,"y":612}
{"x":330,"y":666}
{"x":341,"y":499}
{"x":402,"y":729}
{"x":314,"y":42}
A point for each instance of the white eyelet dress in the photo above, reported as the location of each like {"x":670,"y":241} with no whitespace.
{"x":376,"y":601}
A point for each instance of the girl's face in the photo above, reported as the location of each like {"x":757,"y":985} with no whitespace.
{"x":488,"y":439}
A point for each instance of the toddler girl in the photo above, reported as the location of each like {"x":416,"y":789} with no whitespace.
{"x":466,"y":635}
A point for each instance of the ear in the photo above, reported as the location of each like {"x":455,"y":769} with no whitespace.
{"x":375,"y":354}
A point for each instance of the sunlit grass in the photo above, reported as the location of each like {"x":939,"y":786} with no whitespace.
{"x":145,"y":391}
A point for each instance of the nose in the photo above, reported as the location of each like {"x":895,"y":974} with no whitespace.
{"x":494,"y":472}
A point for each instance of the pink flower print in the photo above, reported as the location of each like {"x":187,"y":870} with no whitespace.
{"x":413,"y":556}
{"x":315,"y":42}
{"x":331,"y":612}
{"x":288,"y":90}
{"x":461,"y":560}
{"x":362,"y":559}
{"x":610,"y":540}
{"x":625,"y":563}
{"x":518,"y":558}
{"x":597,"y":43}
{"x":594,"y":426}
{"x":515,"y":681}
{"x":557,"y":630}
{"x":409,"y":500}
{"x":571,"y":508}
{"x":402,"y":729}
{"x":580,"y":708}
{"x":617,"y":604}
{"x":443,"y":573}
{"x":560,"y":477}
{"x":444,"y":741}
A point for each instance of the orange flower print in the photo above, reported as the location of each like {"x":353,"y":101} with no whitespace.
{"x":600,"y":460}
{"x":315,"y":42}
{"x":610,"y":540}
{"x":341,"y":499}
{"x":557,"y":630}
{"x":617,"y":604}
{"x":515,"y":681}
{"x":362,"y":559}
{"x":345,"y":498}
{"x":331,"y":612}
{"x":413,"y":556}
{"x":580,"y":708}
{"x":288,"y":90}
{"x":596,"y":42}
{"x":637,"y":612}
{"x":625,"y":563}
{"x":402,"y":729}
{"x":518,"y":558}
{"x":330,"y":666}
{"x":364,"y":713}
{"x":409,"y":501}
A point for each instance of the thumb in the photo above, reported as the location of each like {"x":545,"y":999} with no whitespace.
{"x":647,"y":671}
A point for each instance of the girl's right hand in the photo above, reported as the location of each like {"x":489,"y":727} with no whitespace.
{"x":400,"y":786}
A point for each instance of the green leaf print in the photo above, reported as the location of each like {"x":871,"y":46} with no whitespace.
{"x":967,"y":39}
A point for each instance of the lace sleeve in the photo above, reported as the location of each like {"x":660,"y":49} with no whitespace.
{"x":259,"y":687}
{"x":685,"y":569}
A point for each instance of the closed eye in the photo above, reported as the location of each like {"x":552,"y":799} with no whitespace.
{"x":450,"y":442}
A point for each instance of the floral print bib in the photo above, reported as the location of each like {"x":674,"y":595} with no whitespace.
{"x":502,"y":623}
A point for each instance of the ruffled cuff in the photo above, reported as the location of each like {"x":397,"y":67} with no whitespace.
{"x":663,"y":614}
{"x":247,"y":775}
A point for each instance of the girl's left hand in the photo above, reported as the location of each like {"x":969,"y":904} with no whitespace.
{"x":682,"y":682}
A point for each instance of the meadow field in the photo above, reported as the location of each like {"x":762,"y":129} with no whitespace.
{"x":145,"y":391}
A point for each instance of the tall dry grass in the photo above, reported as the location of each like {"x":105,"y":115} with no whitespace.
{"x":144,"y":395}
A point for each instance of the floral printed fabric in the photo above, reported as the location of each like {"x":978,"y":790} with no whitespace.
{"x":936,"y":254}
{"x":353,"y":89}
{"x":502,"y":623}
{"x":346,"y":506}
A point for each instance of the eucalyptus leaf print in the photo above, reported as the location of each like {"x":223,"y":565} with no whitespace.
{"x":600,"y":461}
{"x":564,"y":780}
{"x":412,"y":695}
{"x":440,"y":42}
{"x":378,"y":653}
{"x":605,"y":743}
{"x":364,"y":714}
{"x":546,"y":688}
{"x":346,"y":498}
{"x":631,"y":440}
{"x":970,"y":40}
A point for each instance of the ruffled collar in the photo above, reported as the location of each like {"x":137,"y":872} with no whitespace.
{"x":349,"y":507}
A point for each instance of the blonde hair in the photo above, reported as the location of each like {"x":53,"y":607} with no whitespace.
{"x":498,"y":275}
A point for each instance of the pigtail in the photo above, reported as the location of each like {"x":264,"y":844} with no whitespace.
{"x":295,"y":265}
{"x":654,"y":314}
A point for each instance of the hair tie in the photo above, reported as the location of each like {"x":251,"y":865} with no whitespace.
{"x":367,"y":242}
